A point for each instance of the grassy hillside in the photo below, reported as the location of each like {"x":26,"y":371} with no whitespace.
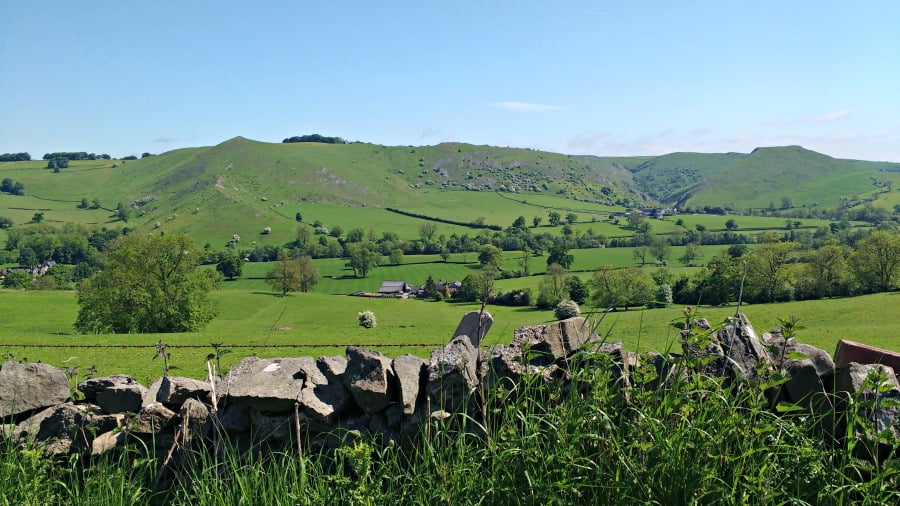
{"x":758,"y":179}
{"x":242,"y":187}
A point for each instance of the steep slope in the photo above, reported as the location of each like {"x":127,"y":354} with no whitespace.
{"x":770,"y":176}
{"x":783,"y":177}
{"x":241,"y":185}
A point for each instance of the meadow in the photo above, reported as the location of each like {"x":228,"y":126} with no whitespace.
{"x":256,"y":322}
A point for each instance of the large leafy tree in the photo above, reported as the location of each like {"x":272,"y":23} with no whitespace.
{"x":554,"y":287}
{"x":768,"y":268}
{"x":363,"y":258}
{"x":622,"y":287}
{"x":148,"y":284}
{"x":285,"y":276}
{"x":559,"y":254}
{"x":230,"y":264}
{"x":877,"y":261}
{"x":309,"y":274}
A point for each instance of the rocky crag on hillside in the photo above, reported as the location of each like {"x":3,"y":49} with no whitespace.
{"x":332,"y":400}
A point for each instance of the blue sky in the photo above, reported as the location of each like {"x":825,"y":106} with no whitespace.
{"x":603,"y":78}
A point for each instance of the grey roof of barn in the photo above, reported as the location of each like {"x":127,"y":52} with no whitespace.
{"x":393,"y":287}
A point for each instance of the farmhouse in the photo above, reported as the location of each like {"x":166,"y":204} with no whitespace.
{"x":395,"y":288}
{"x":40,"y":270}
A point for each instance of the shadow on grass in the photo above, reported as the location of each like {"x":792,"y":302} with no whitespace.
{"x":271,"y":294}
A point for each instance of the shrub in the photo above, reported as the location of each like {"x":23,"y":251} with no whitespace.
{"x":366,"y":319}
{"x":664,"y":293}
{"x":567,"y":309}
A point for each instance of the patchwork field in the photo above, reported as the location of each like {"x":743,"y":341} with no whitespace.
{"x":317,"y":324}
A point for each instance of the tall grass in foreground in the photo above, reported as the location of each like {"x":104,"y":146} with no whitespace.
{"x":590,"y":441}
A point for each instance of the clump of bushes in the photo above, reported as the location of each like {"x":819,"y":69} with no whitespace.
{"x":567,"y":309}
{"x":366,"y":319}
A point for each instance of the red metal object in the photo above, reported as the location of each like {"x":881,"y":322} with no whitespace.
{"x":849,"y":351}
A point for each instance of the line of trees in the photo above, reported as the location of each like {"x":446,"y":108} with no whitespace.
{"x":15,"y":157}
{"x":75,"y":155}
{"x":780,"y":271}
{"x":315,"y":138}
{"x":470,"y":224}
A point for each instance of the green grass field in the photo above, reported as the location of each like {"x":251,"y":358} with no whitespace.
{"x":318,"y":324}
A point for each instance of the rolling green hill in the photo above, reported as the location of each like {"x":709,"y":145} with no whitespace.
{"x":242,"y":186}
{"x":773,"y":176}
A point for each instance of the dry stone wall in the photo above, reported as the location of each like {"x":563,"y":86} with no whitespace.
{"x":366,"y":394}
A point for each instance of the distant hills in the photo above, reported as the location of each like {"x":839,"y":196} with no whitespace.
{"x":240,"y":179}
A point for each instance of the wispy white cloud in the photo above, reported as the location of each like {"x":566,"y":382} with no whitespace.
{"x":828,"y":117}
{"x":429,"y":132}
{"x":526,"y":106}
{"x":588,"y":140}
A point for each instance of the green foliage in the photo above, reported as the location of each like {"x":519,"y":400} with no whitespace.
{"x":5,"y":222}
{"x":15,"y":157}
{"x":148,"y":284}
{"x":553,"y":218}
{"x":877,"y":261}
{"x":490,"y":255}
{"x":19,"y":280}
{"x":622,"y":287}
{"x":12,"y":187}
{"x":285,"y":276}
{"x":554,"y":287}
{"x":314,"y":138}
{"x":366,"y":319}
{"x":363,"y":258}
{"x":396,"y":256}
{"x":123,"y":212}
{"x":578,"y":290}
{"x":692,"y":252}
{"x":230,"y":264}
{"x":559,"y":254}
{"x":768,"y":268}
{"x":566,"y":309}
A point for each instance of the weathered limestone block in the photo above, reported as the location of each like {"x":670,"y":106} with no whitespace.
{"x":271,"y":385}
{"x":233,"y":416}
{"x":452,"y":374}
{"x":152,"y":419}
{"x":152,"y":392}
{"x":857,"y":380}
{"x":93,"y":386}
{"x":270,"y":426}
{"x":805,"y":386}
{"x":475,"y":326}
{"x":410,"y":372}
{"x":852,"y":378}
{"x":324,"y":397}
{"x":503,"y":367}
{"x":664,"y":371}
{"x":121,"y":398}
{"x":197,"y":417}
{"x":66,"y":427}
{"x":174,"y":390}
{"x":741,"y":350}
{"x":108,"y":441}
{"x":367,"y":378}
{"x":545,"y":344}
{"x":27,"y":387}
